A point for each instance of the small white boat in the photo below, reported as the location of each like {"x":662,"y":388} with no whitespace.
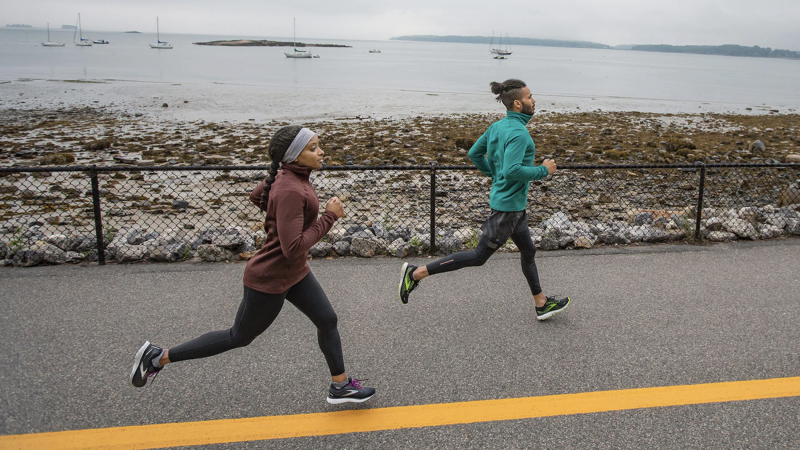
{"x":101,"y":41}
{"x":50,"y":43}
{"x":298,"y":54}
{"x":374,"y":51}
{"x":498,"y":52}
{"x":82,"y":42}
{"x":160,"y":44}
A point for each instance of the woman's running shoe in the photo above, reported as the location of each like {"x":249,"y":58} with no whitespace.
{"x":551,"y":307}
{"x":351,"y":392}
{"x":143,"y":364}
{"x":407,"y":281}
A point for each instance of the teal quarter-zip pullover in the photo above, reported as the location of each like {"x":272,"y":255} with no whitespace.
{"x":505,"y":153}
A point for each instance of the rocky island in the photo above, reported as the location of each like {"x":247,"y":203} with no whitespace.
{"x":265,"y":43}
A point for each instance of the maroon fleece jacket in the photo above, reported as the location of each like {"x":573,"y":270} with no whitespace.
{"x":292,"y":228}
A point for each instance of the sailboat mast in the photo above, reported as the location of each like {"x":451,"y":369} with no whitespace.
{"x":294,"y":32}
{"x":158,"y":32}
{"x":48,"y":31}
{"x":80,"y":31}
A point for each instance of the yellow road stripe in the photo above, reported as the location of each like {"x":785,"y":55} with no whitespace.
{"x":354,"y":421}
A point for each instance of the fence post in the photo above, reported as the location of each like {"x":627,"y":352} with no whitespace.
{"x":98,"y":220}
{"x":697,"y":237}
{"x":433,"y":211}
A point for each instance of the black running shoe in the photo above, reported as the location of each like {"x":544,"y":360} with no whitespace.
{"x":407,"y":281}
{"x":551,"y":307}
{"x":351,"y":392}
{"x":143,"y":364}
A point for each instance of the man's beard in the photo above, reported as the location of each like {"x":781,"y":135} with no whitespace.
{"x":528,"y":111}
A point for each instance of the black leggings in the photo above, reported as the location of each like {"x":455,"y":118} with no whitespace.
{"x":486,"y":248}
{"x":255,"y":315}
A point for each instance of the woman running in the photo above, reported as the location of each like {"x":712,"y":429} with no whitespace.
{"x":278,"y":271}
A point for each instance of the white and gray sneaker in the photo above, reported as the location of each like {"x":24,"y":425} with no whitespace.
{"x":351,"y":392}
{"x":143,"y":364}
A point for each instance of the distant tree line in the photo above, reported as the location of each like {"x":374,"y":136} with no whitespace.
{"x":725,"y":50}
{"x":505,"y":40}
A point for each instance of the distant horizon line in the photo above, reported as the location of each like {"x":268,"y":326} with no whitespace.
{"x":393,"y":38}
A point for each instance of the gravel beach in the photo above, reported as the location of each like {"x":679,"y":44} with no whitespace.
{"x":179,"y":212}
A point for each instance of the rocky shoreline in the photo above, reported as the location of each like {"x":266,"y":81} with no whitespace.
{"x":265,"y":43}
{"x":95,"y":136}
{"x":165,"y":215}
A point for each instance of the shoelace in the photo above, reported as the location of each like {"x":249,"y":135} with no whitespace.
{"x":356,"y":383}
{"x":153,"y":375}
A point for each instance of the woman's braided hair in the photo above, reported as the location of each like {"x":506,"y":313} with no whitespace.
{"x":278,"y":145}
{"x":508,"y":91}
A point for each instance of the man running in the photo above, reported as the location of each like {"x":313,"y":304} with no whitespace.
{"x":505,"y":153}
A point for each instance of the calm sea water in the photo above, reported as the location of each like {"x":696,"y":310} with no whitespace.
{"x":405,"y":71}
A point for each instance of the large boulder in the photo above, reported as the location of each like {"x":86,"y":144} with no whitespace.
{"x":766,"y":231}
{"x":341,"y":248}
{"x":59,"y":240}
{"x":170,"y":252}
{"x":138,"y":236}
{"x":714,"y":224}
{"x":380,"y":231}
{"x":363,"y":247}
{"x":214,"y":253}
{"x":644,"y":218}
{"x":720,"y":236}
{"x":793,"y":226}
{"x":321,"y":249}
{"x":613,"y":238}
{"x":741,"y":228}
{"x":583,"y":242}
{"x":657,"y":235}
{"x":233,"y":238}
{"x":449,"y":244}
{"x":27,"y":257}
{"x":398,"y":248}
{"x":39,"y":253}
{"x":52,"y":254}
{"x":549,"y":244}
{"x":558,"y":220}
{"x":129,"y":253}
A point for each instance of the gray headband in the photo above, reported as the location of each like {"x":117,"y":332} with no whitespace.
{"x":298,"y":144}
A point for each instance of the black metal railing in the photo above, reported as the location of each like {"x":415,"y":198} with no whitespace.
{"x":169,"y":213}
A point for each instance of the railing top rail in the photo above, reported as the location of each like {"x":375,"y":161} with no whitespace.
{"x":382,"y":168}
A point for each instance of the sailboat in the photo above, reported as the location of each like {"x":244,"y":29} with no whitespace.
{"x":160,"y":44}
{"x":499,"y":53}
{"x":83,"y":42}
{"x":50,"y":43}
{"x":298,"y":53}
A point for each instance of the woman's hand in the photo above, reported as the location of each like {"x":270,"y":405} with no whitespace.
{"x":334,"y":205}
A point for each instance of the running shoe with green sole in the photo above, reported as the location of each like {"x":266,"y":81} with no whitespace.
{"x":551,"y":307}
{"x":407,"y":282}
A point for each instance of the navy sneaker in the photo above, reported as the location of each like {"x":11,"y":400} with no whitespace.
{"x":351,"y":392}
{"x":143,"y":364}
{"x":407,"y":281}
{"x":551,"y":307}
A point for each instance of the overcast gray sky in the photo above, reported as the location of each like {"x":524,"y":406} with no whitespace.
{"x":768,"y":23}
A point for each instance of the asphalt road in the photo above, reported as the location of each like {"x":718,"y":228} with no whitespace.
{"x":641,"y":317}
